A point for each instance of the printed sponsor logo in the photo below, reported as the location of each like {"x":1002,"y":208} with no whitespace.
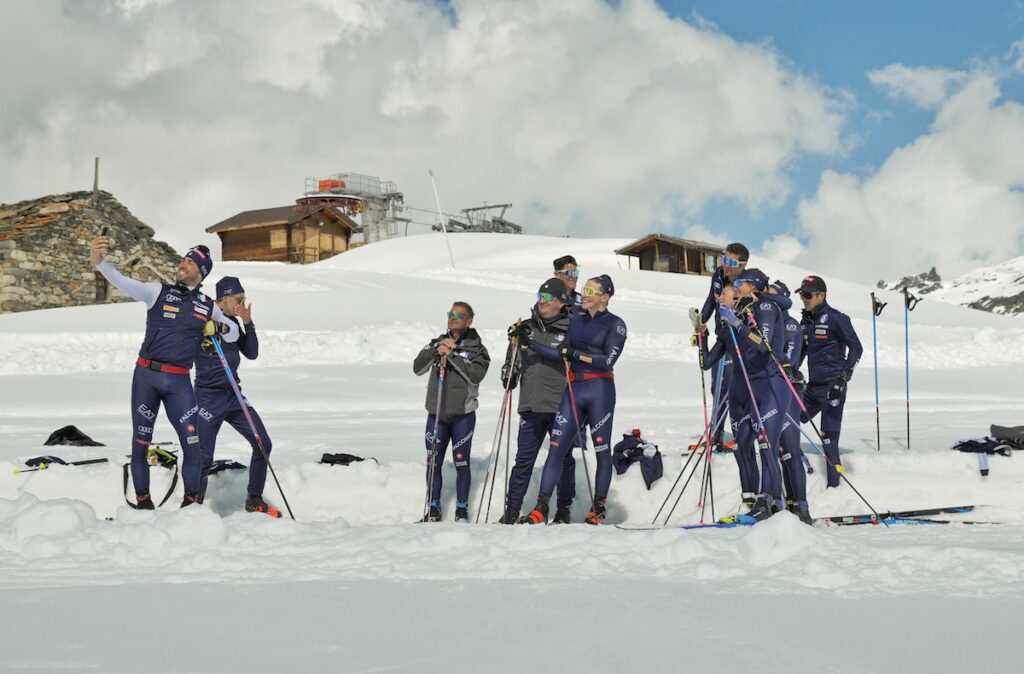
{"x":766,"y":306}
{"x":462,"y":441}
{"x":554,"y":443}
{"x":197,"y":252}
{"x":168,"y":307}
{"x":621,"y":329}
{"x":188,"y":415}
{"x":146,"y":412}
{"x":199,"y":316}
{"x":560,"y":420}
{"x":167,"y":315}
{"x":145,"y":430}
{"x":601,"y":423}
{"x":555,"y":433}
{"x":769,"y":414}
{"x":171,"y":298}
{"x":190,"y":428}
{"x":140,"y":441}
{"x":559,"y":338}
{"x":201,"y":309}
{"x":824,"y":318}
{"x":599,"y":439}
{"x":600,"y":448}
{"x":208,"y":416}
{"x":458,"y":456}
{"x":464,"y":354}
{"x":192,"y":439}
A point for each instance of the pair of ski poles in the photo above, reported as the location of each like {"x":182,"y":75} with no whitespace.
{"x":909,"y":304}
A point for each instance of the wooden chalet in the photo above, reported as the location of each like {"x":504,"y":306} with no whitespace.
{"x":660,"y":252}
{"x":285,"y":234}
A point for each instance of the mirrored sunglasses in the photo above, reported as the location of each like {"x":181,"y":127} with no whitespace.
{"x":570,"y":272}
{"x":806,"y":295}
{"x":458,"y":315}
{"x":730,"y":261}
{"x":590,"y":292}
{"x":546,"y":297}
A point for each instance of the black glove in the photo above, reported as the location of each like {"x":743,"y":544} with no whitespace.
{"x":806,"y":316}
{"x":799,"y":383}
{"x":521,"y":330}
{"x":835,"y":393}
{"x":505,"y":377}
{"x":567,"y":352}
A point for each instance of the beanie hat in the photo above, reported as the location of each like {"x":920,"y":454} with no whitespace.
{"x":781,"y":288}
{"x":201,"y":256}
{"x":556,"y":287}
{"x":228,"y":286}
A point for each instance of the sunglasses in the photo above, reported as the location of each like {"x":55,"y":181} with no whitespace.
{"x":738,"y":283}
{"x":590,"y":292}
{"x":730,"y":261}
{"x":806,"y":295}
{"x":547,"y":297}
{"x":458,"y":315}
{"x":570,"y":272}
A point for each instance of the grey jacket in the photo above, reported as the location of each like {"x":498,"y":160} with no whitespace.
{"x":543,"y":381}
{"x":466,"y":367}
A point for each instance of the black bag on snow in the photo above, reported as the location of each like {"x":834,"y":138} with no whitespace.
{"x":342,"y":459}
{"x":1011,"y":435}
{"x":983,"y":446}
{"x":70,"y":435}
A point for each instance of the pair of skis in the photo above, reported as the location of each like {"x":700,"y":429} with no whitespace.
{"x":918,"y":516}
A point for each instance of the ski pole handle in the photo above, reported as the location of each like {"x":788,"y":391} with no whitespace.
{"x":909,"y":301}
{"x":876,"y":306}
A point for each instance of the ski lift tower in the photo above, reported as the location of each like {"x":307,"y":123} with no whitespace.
{"x":376,"y":201}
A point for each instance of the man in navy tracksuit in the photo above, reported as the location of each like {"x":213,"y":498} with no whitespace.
{"x":466,"y":362}
{"x":178,"y":317}
{"x":734,"y":261}
{"x":542,"y":384}
{"x":761,"y":332}
{"x":218,"y":402}
{"x":794,"y":476}
{"x":832,"y":350}
{"x":568,"y":272}
{"x":595,"y":342}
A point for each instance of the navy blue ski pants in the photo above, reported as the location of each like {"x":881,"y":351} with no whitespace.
{"x":217,"y":405}
{"x":816,"y":400}
{"x":533,"y":426}
{"x":459,"y":431}
{"x":767,"y":392}
{"x":726,"y":377}
{"x":150,"y":389}
{"x":595,"y":404}
{"x":742,"y":419}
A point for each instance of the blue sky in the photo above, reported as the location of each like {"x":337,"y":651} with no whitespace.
{"x":837,"y":43}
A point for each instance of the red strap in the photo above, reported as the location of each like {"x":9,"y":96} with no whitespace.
{"x":170,"y":369}
{"x":590,"y":375}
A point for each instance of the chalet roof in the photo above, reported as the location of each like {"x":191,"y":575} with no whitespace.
{"x":639,"y":245}
{"x":279,"y":215}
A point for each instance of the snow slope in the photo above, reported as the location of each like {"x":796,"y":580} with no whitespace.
{"x":352,"y":586}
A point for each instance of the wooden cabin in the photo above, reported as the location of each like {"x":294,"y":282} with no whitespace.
{"x":660,"y":252}
{"x":285,"y":234}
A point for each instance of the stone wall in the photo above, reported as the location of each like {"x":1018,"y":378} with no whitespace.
{"x":44,"y":250}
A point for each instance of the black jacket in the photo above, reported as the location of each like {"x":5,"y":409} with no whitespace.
{"x":542,"y":379}
{"x":466,"y":367}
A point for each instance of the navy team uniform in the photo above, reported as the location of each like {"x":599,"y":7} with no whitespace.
{"x":593,"y":345}
{"x":175,"y":320}
{"x":794,"y":475}
{"x":832,"y":350}
{"x":218,"y":402}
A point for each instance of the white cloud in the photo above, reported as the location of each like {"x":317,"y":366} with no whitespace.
{"x":921,"y":87}
{"x":698,"y":232}
{"x":590,"y":117}
{"x":952,"y":198}
{"x":783,"y":248}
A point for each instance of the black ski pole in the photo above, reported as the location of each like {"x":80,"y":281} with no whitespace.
{"x":433,"y":437}
{"x":248,"y":418}
{"x":508,"y":434}
{"x":503,"y":417}
{"x":579,"y":429}
{"x":876,"y":311}
{"x":803,"y":408}
{"x":45,"y":462}
{"x":909,"y":304}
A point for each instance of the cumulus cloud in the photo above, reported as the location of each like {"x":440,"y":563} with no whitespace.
{"x":952,"y":198}
{"x":921,"y":87}
{"x":592,"y":118}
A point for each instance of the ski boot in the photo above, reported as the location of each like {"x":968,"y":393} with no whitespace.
{"x":511,"y":516}
{"x":597,"y":512}
{"x":763,"y":508}
{"x":461,"y":513}
{"x":801,"y":510}
{"x":539,"y":514}
{"x":256,"y":504}
{"x":144,"y":501}
{"x":433,"y":513}
{"x":790,"y":506}
{"x":563,"y":514}
{"x":747,"y":502}
{"x":190,"y":498}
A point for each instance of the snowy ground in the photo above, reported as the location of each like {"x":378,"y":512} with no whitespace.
{"x":352,"y":586}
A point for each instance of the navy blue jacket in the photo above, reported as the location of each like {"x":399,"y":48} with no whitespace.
{"x":830,"y":345}
{"x":598,"y":341}
{"x":718,"y":282}
{"x":209,"y":371}
{"x":769,"y":319}
{"x":174,"y":325}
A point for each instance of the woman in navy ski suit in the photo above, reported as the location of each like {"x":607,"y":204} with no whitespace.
{"x":595,"y":341}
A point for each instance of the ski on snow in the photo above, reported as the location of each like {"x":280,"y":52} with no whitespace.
{"x":891,"y":517}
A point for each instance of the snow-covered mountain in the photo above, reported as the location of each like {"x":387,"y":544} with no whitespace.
{"x":998,"y":289}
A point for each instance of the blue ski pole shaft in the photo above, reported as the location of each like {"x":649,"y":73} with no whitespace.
{"x":248,"y":419}
{"x":876,"y":310}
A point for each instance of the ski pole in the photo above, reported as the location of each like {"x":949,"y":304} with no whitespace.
{"x":803,"y":408}
{"x":909,"y":304}
{"x":762,"y":437}
{"x":503,"y":417}
{"x":508,"y":435}
{"x":248,"y":418}
{"x":43,"y":462}
{"x":433,"y":436}
{"x":579,"y":429}
{"x":876,"y":311}
{"x":707,"y":420}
